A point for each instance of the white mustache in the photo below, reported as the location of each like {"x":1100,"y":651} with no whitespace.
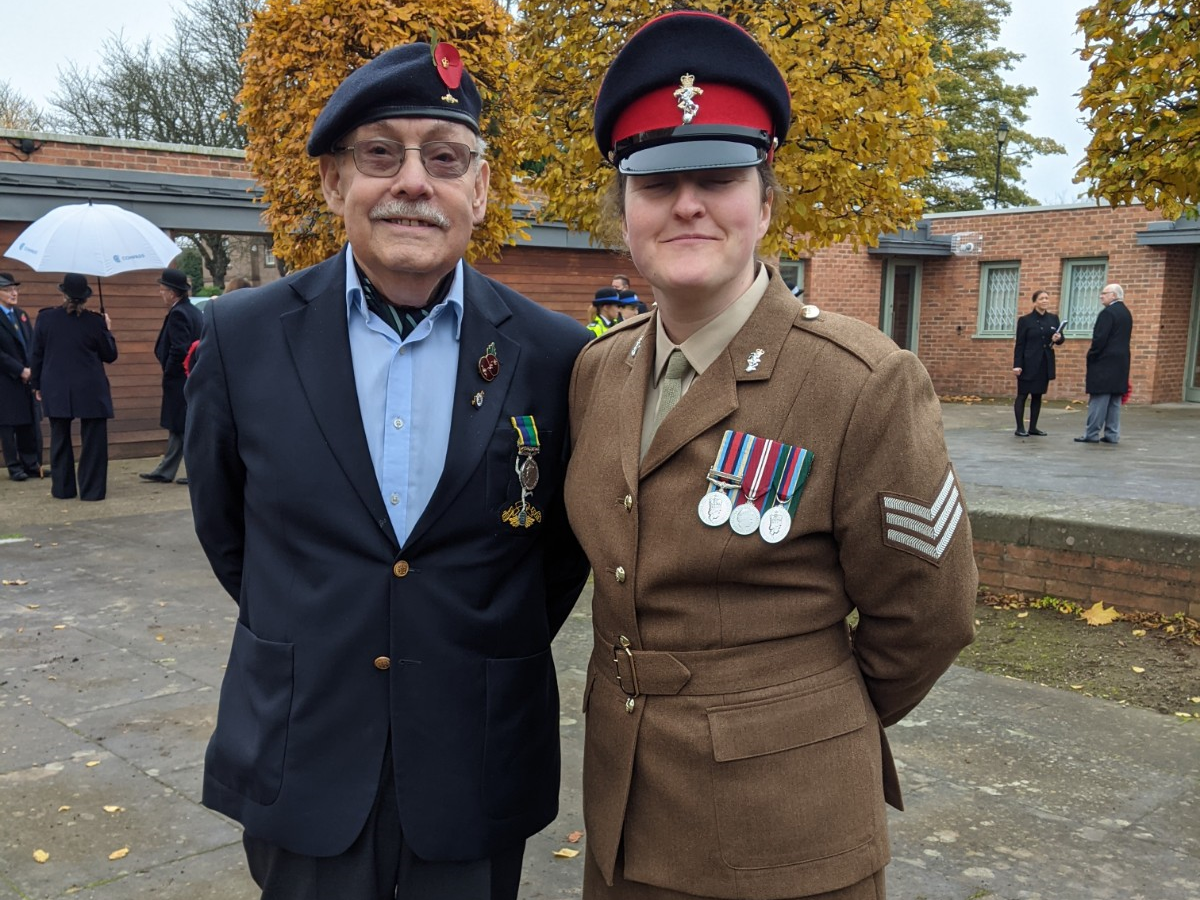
{"x":410,"y":209}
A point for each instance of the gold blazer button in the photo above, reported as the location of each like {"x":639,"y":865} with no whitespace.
{"x":400,"y":569}
{"x":382,"y":663}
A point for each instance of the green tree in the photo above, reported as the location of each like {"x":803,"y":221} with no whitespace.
{"x":17,"y":111}
{"x":863,"y":124}
{"x":299,"y":51}
{"x":973,"y":97}
{"x":1141,"y":98}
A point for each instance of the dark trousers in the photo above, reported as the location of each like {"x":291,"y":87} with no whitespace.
{"x":168,"y":466}
{"x":93,"y":459}
{"x":380,"y":865}
{"x":21,"y":445}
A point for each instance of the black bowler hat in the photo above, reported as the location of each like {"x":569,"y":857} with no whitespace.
{"x":75,"y":286}
{"x":607,"y":295}
{"x":691,"y":90}
{"x":175,"y":280}
{"x":6,"y":280}
{"x":411,"y":81}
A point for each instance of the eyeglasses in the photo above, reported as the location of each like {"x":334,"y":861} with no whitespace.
{"x":381,"y":158}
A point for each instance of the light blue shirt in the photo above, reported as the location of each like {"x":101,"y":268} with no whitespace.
{"x":405,"y":396}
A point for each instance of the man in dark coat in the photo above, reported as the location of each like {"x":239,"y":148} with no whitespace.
{"x":376,"y":447}
{"x":1108,"y":368}
{"x":20,"y":419}
{"x":179,"y":329}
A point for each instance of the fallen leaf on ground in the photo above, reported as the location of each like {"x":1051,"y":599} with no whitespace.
{"x":14,"y":581}
{"x":1022,"y":615}
{"x":566,"y":853}
{"x":63,"y":808}
{"x":1139,"y":632}
{"x":93,"y":762}
{"x":119,"y":854}
{"x":1138,"y":669}
{"x":1099,"y":614}
{"x":1077,"y":687}
{"x":40,"y":856}
{"x":159,"y":637}
{"x":59,"y":627}
{"x":1194,"y":699}
{"x":114,"y":809}
{"x":33,"y":606}
{"x":574,"y":836}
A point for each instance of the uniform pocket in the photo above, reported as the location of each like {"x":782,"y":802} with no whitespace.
{"x":796,"y":778}
{"x":520,"y":750}
{"x":248,"y":747}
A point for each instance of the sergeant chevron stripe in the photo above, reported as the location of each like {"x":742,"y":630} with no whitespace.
{"x":924,"y":531}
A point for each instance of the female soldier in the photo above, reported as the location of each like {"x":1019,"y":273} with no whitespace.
{"x":1038,"y":333}
{"x":746,"y":472}
{"x":70,"y":347}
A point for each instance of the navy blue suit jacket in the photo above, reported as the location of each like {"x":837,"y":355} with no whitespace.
{"x":180,"y":327}
{"x":16,"y":353}
{"x":69,"y":354}
{"x":343,"y":635}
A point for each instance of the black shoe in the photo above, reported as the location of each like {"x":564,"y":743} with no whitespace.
{"x":1021,"y":432}
{"x":152,"y":476}
{"x":1083,"y":440}
{"x":1037,"y":432}
{"x":18,"y":476}
{"x":1105,"y":440}
{"x":181,"y":480}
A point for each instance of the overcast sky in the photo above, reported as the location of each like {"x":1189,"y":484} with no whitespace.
{"x":43,"y":35}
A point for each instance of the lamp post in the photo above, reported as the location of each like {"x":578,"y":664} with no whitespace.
{"x":1001,"y":140}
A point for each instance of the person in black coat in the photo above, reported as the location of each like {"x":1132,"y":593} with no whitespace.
{"x":179,"y":329}
{"x":1108,"y":368}
{"x":1038,"y":333}
{"x":376,"y":448}
{"x":70,"y":347}
{"x":20,"y":417}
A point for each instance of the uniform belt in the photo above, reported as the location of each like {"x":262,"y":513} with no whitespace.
{"x":726,"y":670}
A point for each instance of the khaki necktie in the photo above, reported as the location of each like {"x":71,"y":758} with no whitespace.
{"x":671,"y":388}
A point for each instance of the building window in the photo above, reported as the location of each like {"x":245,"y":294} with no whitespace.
{"x":792,"y":273}
{"x":999,"y":287}
{"x":1080,"y":304}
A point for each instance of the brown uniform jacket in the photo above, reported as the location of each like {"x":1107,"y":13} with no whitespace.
{"x":740,"y":754}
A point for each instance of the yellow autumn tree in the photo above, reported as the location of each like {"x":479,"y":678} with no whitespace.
{"x":1141,"y":99}
{"x":299,"y":51}
{"x":861,"y":81}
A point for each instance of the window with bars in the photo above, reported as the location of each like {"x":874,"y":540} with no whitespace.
{"x":792,"y":273}
{"x":999,"y":288}
{"x":1082,"y":281}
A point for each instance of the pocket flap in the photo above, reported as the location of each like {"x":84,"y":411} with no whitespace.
{"x":784,"y":723}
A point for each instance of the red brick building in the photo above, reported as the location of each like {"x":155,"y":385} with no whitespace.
{"x":955,"y":305}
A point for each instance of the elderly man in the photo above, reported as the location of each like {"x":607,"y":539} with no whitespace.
{"x":1107,"y":368}
{"x":376,"y":451}
{"x":20,"y":419}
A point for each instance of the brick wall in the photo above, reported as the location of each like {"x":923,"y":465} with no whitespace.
{"x":1087,"y":578}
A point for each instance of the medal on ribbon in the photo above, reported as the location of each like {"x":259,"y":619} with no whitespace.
{"x":523,"y":514}
{"x":747,"y":515}
{"x":793,"y":471}
{"x":725,"y":476}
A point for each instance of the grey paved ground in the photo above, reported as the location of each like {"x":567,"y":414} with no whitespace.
{"x":112,"y":650}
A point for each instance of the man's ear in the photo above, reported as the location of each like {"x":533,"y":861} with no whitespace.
{"x":483,"y":177}
{"x":331,"y":184}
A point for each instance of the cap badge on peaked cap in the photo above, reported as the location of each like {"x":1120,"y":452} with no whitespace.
{"x":686,"y":93}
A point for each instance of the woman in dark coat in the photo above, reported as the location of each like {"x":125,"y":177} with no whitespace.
{"x":70,"y":347}
{"x":1033,"y":360}
{"x":179,"y":329}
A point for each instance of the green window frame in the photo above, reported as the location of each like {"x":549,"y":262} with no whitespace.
{"x":999,"y":294}
{"x":1079,"y":299}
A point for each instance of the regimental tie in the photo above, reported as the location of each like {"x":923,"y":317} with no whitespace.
{"x":671,"y":387}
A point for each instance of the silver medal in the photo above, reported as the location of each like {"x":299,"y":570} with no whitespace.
{"x":745,"y":519}
{"x":714,"y":508}
{"x":776,"y":522}
{"x":527,"y":473}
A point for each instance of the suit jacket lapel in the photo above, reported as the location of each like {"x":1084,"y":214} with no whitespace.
{"x":640,"y":360}
{"x":319,"y":340}
{"x":472,"y":427}
{"x":713,"y":395}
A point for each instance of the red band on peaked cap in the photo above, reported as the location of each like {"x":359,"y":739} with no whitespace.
{"x":716,"y":52}
{"x":720,"y":104}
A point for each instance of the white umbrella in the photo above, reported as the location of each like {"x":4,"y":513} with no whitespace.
{"x":93,"y":239}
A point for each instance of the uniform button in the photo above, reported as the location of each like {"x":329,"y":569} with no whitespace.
{"x":628,"y":502}
{"x":395,"y":498}
{"x":382,"y":663}
{"x":620,"y":573}
{"x":397,"y":422}
{"x":400,"y":569}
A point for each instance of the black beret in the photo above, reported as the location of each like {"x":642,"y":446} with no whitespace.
{"x":404,"y":82}
{"x":607,"y":295}
{"x":691,"y":90}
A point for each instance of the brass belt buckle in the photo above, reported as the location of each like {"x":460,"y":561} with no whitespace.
{"x":630,"y":696}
